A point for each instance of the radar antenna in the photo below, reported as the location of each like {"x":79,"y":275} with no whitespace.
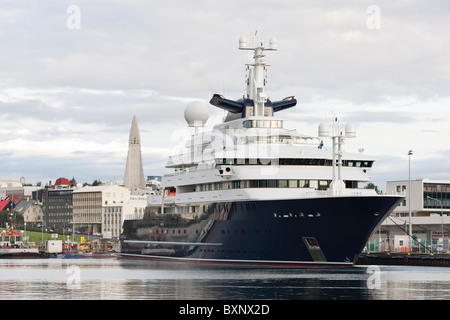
{"x":256,"y":102}
{"x":255,"y":83}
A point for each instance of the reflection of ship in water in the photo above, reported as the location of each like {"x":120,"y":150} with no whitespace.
{"x":253,"y":192}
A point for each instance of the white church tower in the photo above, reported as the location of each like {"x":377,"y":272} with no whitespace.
{"x":134,"y":172}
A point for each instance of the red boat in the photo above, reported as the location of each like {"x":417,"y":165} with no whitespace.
{"x":12,"y":246}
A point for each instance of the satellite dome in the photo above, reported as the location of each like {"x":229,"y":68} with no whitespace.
{"x":350,"y":131}
{"x":196,"y":114}
{"x":242,"y":42}
{"x":273,"y":43}
{"x":324,"y":130}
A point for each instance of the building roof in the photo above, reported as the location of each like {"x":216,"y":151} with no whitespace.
{"x":16,"y":198}
{"x":62,"y":182}
{"x":3,"y":204}
{"x":424,"y":180}
{"x":97,"y":188}
{"x":23,"y":205}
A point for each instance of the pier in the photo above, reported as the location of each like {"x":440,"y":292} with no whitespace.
{"x":405,"y":259}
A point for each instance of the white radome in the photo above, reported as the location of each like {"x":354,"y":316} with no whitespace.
{"x":350,"y":131}
{"x":196,"y":114}
{"x":324,"y":130}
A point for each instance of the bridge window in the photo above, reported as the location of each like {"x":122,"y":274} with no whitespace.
{"x":274,"y":124}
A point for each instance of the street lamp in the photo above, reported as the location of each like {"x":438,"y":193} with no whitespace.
{"x":442,"y":218}
{"x":409,"y":196}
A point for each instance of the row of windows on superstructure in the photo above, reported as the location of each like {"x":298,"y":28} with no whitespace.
{"x":274,"y":124}
{"x":263,"y":183}
{"x":293,"y":162}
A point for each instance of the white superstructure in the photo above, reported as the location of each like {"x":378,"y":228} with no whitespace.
{"x":251,"y":156}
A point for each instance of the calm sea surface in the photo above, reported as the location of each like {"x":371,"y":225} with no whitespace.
{"x":70,"y":279}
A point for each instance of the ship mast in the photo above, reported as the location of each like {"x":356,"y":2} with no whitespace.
{"x":255,"y":84}
{"x":337,"y":137}
{"x":255,"y":103}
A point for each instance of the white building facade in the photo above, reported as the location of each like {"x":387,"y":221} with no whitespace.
{"x":115,"y":214}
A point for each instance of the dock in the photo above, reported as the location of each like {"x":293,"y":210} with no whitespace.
{"x":404,"y":259}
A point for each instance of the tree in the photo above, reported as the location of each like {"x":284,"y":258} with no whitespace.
{"x":5,"y":217}
{"x":370,"y":185}
{"x":96,"y":182}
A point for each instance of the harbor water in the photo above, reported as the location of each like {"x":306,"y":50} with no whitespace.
{"x":118,"y":279}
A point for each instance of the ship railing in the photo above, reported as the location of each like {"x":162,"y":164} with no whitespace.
{"x":236,"y":139}
{"x":346,"y":192}
{"x":358,"y":192}
{"x":191,"y":169}
{"x":315,"y":193}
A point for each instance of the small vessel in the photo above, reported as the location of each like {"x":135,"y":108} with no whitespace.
{"x":12,"y":246}
{"x":252,"y":192}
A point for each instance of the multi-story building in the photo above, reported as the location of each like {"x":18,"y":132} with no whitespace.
{"x":7,"y":185}
{"x":17,"y":193}
{"x":429,"y":204}
{"x":57,"y":207}
{"x":88,"y":204}
{"x":116,"y":213}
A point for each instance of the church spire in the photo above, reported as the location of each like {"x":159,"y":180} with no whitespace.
{"x":134,"y":171}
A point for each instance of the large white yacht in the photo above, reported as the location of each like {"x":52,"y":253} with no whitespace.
{"x":254,"y":192}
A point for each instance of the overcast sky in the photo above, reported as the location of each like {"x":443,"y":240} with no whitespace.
{"x":73,"y":74}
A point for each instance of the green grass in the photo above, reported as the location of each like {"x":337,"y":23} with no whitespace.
{"x":36,"y":237}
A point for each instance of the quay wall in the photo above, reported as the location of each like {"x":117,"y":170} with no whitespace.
{"x":404,"y":259}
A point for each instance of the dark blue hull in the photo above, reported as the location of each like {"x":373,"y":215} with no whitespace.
{"x":328,"y":231}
